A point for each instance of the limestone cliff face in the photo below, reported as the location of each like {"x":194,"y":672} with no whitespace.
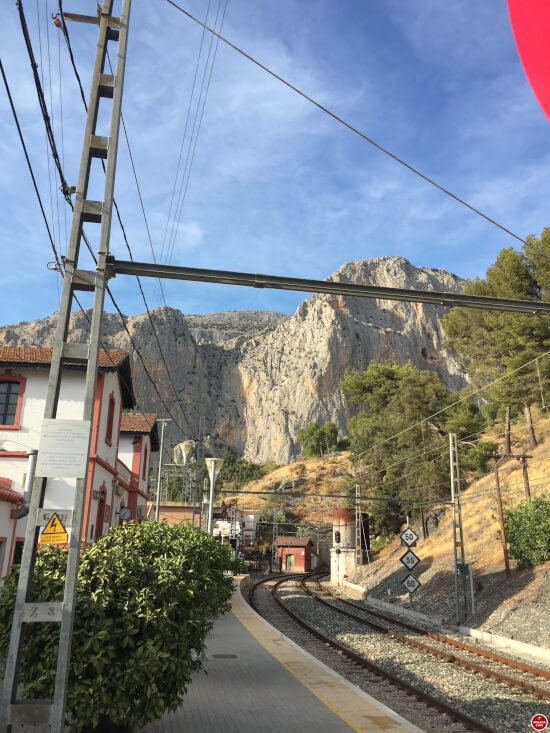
{"x":258,"y":377}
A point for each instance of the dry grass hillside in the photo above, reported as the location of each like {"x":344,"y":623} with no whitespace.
{"x":517,"y":608}
{"x":312,"y":476}
{"x":512,"y":608}
{"x":479,"y":505}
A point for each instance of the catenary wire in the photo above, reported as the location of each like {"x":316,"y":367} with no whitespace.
{"x":57,"y":260}
{"x":189,"y":161}
{"x":203,"y":35}
{"x":131,"y":256}
{"x":454,"y":404}
{"x":355,"y":130}
{"x":56,"y":256}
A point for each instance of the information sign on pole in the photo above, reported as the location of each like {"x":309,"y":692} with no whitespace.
{"x":409,"y":537}
{"x":410,"y":560}
{"x":411,"y":583}
{"x":63,"y":448}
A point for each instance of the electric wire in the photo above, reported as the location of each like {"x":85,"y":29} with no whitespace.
{"x":57,"y":260}
{"x":203,"y":35}
{"x":443,"y":450}
{"x":50,"y":237}
{"x":454,"y":404}
{"x":66,"y":35}
{"x":356,"y":131}
{"x":190,"y":159}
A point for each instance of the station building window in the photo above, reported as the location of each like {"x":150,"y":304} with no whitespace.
{"x":11,"y":398}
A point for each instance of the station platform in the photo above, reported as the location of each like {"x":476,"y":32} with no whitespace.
{"x":259,"y":681}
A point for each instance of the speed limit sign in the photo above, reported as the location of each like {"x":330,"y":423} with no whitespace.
{"x":411,"y":583}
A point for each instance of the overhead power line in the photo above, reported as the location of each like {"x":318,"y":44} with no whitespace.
{"x":178,"y":399}
{"x":353,"y":129}
{"x":42,"y":103}
{"x":56,"y":256}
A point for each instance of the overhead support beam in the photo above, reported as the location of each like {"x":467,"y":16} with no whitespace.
{"x":223,"y":277}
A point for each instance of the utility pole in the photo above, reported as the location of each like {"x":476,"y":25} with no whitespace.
{"x":458,"y":542}
{"x":15,"y":712}
{"x":163,"y":421}
{"x":531,"y":430}
{"x":421,"y":507}
{"x":525,"y":477}
{"x":507,"y":444}
{"x":501,"y":517}
{"x":358,"y":527}
{"x":498,"y":458}
{"x":275,"y":537}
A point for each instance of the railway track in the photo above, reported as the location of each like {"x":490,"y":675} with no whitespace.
{"x":371,"y":641}
{"x":527,"y":677}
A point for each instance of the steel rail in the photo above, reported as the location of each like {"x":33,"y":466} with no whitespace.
{"x":275,"y":282}
{"x":472,"y":666}
{"x":535,"y":671}
{"x":442,"y":707}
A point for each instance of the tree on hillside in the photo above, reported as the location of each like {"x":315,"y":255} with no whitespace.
{"x":403,"y":452}
{"x":315,"y":440}
{"x":490,"y":343}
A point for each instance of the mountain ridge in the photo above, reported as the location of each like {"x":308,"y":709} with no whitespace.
{"x":257,"y":377}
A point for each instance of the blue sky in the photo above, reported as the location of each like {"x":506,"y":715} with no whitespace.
{"x":277,"y":186}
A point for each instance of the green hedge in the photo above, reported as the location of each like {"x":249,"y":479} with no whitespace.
{"x":145,"y":599}
{"x":527,"y":528}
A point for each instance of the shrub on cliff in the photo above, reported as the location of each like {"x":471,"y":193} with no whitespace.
{"x":145,"y":597}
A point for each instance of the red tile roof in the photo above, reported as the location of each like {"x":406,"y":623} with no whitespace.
{"x":293,"y":541}
{"x":108,"y":359}
{"x":6,"y":494}
{"x":131,"y":422}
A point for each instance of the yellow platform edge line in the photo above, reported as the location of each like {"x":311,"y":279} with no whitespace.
{"x":300,"y":679}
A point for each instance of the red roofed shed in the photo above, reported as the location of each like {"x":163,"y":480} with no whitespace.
{"x":294,"y":554}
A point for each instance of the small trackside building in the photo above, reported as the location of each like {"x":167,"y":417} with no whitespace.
{"x":294,"y":554}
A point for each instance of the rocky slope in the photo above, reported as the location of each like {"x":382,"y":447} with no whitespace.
{"x":258,"y":377}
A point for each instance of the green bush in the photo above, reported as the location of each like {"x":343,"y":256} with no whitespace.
{"x":145,"y":597}
{"x":527,"y":528}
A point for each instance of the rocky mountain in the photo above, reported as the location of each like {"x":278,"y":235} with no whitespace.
{"x":258,"y":377}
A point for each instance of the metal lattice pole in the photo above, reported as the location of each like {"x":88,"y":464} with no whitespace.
{"x":14,"y":712}
{"x":275,"y":538}
{"x":458,"y":542}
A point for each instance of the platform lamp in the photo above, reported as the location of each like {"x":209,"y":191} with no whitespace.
{"x":213,"y":466}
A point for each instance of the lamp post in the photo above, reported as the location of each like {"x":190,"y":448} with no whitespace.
{"x":213,"y":466}
{"x":187,"y":447}
{"x":163,"y":421}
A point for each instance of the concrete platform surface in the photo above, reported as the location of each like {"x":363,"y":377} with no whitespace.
{"x":261,"y":682}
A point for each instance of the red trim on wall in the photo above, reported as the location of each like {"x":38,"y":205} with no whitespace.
{"x":7,"y":376}
{"x":110,"y":419}
{"x":123,"y":483}
{"x":93,"y":450}
{"x":112,"y":504}
{"x":103,"y":463}
{"x":13,"y":454}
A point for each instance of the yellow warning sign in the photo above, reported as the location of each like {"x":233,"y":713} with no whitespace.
{"x":54,"y":533}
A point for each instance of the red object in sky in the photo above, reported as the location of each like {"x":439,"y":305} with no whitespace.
{"x":531,"y":26}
